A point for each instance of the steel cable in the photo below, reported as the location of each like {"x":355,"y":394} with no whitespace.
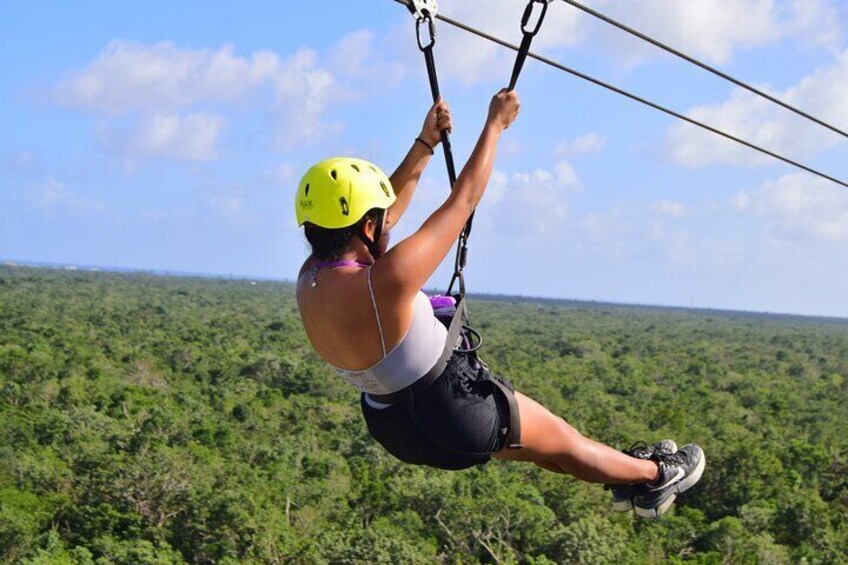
{"x":634,"y":97}
{"x":704,"y":66}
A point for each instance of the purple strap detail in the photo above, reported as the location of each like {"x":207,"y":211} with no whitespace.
{"x":336,"y":264}
{"x":439,"y":302}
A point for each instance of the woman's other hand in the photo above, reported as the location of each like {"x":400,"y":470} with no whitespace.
{"x":504,"y":108}
{"x":438,"y":119}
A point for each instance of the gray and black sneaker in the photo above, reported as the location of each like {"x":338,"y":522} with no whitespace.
{"x":622,"y":495}
{"x":678,"y":472}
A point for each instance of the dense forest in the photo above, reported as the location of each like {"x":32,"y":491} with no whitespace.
{"x":148,"y":419}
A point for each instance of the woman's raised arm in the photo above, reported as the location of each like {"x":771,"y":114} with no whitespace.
{"x":410,"y":263}
{"x":405,"y":178}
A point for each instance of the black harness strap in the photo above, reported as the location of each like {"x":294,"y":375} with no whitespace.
{"x":422,"y":17}
{"x":430,"y":61}
{"x":424,"y":12}
{"x":527,"y":39}
{"x":459,"y":331}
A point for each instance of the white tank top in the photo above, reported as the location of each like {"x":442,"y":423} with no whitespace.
{"x":411,"y":359}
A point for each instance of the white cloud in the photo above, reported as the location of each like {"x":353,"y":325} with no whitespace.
{"x":814,"y":21}
{"x":52,"y":197}
{"x":567,"y":177}
{"x":825,"y":91}
{"x":355,"y":57}
{"x":171,"y":91}
{"x":233,"y":207}
{"x":637,"y":233}
{"x":670,"y":243}
{"x":228,"y":205}
{"x":129,"y":76}
{"x":670,"y":208}
{"x":285,"y":174}
{"x":823,"y":94}
{"x":472,"y":60}
{"x":192,"y":137}
{"x":19,"y":161}
{"x":530,"y":204}
{"x":50,"y":194}
{"x":800,"y":207}
{"x":304,"y":90}
{"x":711,"y":29}
{"x":714,"y":30}
{"x":589,"y":144}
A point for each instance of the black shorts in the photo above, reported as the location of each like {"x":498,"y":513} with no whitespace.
{"x":456,"y":422}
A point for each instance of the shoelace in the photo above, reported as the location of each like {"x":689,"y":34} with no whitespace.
{"x":678,"y":458}
{"x":637,"y":448}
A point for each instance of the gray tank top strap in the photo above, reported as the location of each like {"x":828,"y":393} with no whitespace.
{"x":376,"y":312}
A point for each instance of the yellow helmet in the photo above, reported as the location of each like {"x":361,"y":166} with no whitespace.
{"x":338,"y":192}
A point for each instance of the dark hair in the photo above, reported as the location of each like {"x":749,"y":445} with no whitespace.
{"x":330,"y":244}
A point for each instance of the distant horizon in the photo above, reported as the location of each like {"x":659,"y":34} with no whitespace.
{"x":75,"y":267}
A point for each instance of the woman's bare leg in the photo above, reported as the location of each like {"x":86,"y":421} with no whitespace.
{"x":550,"y":442}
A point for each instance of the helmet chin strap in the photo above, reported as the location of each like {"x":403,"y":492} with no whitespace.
{"x":373,"y":245}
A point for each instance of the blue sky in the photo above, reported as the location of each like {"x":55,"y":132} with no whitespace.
{"x":171,"y":137}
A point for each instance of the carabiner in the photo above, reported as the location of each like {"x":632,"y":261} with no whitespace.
{"x":528,"y":11}
{"x":431,"y":26}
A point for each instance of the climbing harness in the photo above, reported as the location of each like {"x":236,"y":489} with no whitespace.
{"x":452,"y":309}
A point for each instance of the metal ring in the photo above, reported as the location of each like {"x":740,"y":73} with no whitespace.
{"x":475,"y":347}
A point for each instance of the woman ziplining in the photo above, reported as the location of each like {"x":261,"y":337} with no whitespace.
{"x":426,"y":395}
{"x":365,"y":315}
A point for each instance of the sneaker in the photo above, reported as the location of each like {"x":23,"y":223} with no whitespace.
{"x":678,"y":473}
{"x":622,"y":495}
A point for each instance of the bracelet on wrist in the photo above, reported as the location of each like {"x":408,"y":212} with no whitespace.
{"x":427,"y":145}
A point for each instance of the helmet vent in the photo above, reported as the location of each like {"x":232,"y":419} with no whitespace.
{"x":376,"y":172}
{"x":355,"y":167}
{"x":334,"y":174}
{"x":385,"y":188}
{"x":306,"y":190}
{"x":345,"y":207}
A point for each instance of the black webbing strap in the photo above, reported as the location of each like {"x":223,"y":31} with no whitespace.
{"x":527,"y":39}
{"x":529,"y":32}
{"x":430,"y":61}
{"x":425,"y":18}
{"x":513,"y":440}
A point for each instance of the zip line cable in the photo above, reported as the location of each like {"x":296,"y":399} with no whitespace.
{"x":634,"y":97}
{"x":704,"y":66}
